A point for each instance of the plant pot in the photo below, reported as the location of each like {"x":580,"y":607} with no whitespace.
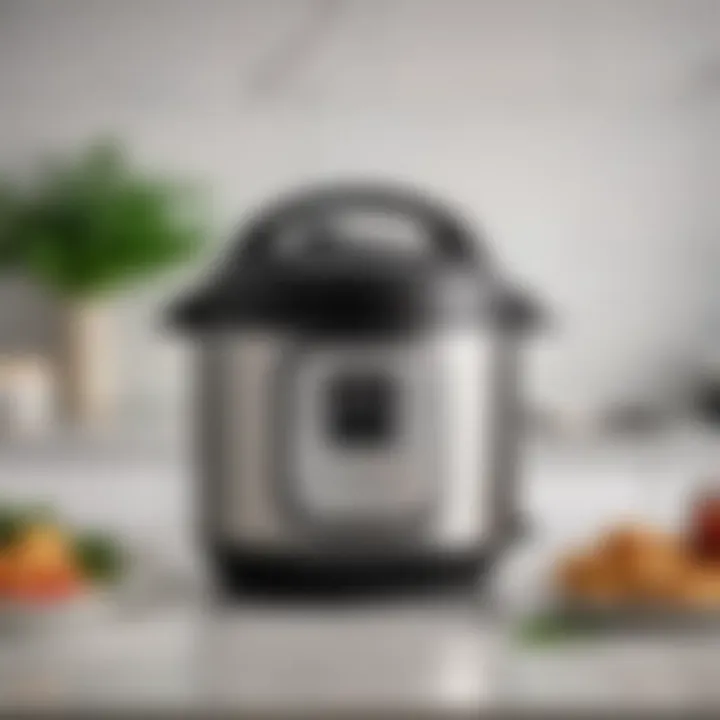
{"x":84,"y":362}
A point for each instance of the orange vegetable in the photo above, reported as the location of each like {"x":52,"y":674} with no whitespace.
{"x":6,"y":571}
{"x":45,"y":585}
{"x":40,"y":567}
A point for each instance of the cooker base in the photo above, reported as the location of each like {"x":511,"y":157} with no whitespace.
{"x":250,"y":572}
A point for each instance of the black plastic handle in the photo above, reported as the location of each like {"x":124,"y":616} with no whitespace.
{"x":451,"y":238}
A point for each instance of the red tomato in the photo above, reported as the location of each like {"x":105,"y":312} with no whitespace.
{"x":705,"y":526}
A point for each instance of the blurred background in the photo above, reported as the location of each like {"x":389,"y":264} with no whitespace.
{"x":582,"y":137}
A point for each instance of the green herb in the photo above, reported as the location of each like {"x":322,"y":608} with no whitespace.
{"x":89,"y":222}
{"x":15,"y":519}
{"x":100,"y":556}
{"x":551,"y":628}
{"x":11,"y":524}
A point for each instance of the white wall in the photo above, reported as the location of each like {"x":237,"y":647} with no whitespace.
{"x":578,"y":132}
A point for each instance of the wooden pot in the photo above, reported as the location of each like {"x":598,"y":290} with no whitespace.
{"x":84,"y":363}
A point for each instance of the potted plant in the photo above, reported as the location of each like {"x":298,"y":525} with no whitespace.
{"x":84,"y":226}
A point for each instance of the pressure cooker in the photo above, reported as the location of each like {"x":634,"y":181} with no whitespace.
{"x":358,"y":409}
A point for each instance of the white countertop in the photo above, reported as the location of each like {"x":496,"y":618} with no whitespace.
{"x":454,"y":657}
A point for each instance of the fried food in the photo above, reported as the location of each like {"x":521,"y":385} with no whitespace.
{"x":636,"y":564}
{"x":699,"y":589}
{"x":584,"y":576}
{"x":650,"y":564}
{"x":626,"y":545}
{"x":573,"y":573}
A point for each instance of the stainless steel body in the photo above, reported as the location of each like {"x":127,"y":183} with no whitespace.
{"x":357,"y":403}
{"x":274,"y":478}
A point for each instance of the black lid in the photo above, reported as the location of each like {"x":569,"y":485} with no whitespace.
{"x":329,"y":282}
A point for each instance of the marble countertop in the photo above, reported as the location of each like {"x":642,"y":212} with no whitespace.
{"x":454,"y":657}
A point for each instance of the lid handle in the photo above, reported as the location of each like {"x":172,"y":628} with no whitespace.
{"x":450,"y":236}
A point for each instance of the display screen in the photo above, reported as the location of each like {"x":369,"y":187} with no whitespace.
{"x":361,"y":409}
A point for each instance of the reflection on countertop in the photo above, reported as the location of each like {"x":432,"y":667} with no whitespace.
{"x":449,"y":658}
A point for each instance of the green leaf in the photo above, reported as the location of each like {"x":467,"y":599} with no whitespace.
{"x":15,"y":519}
{"x":92,"y":222}
{"x":554,"y":627}
{"x":11,"y":524}
{"x":100,"y":556}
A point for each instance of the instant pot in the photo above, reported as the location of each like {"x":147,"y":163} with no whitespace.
{"x":357,"y":409}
